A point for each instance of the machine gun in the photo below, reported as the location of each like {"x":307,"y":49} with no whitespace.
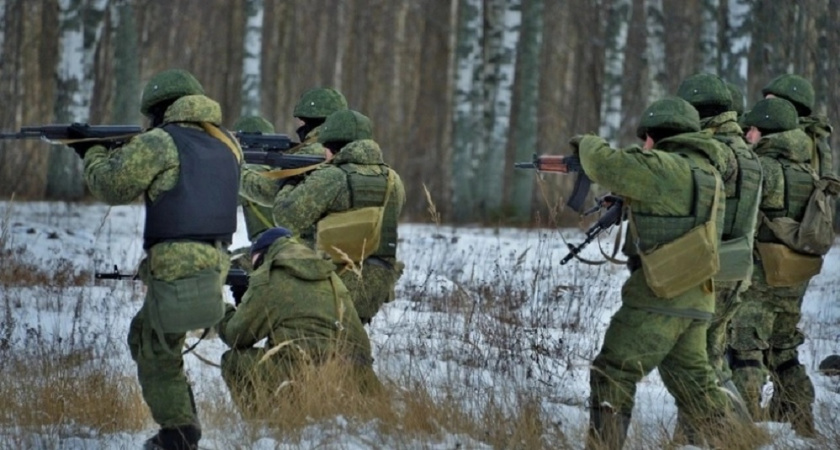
{"x":563,"y":164}
{"x":65,"y":133}
{"x":237,"y":279}
{"x":613,"y":216}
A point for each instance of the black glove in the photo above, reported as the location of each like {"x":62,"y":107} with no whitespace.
{"x":79,"y":131}
{"x":238,"y":292}
{"x":575,"y":141}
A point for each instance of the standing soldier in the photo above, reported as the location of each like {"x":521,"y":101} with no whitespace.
{"x":800,"y":93}
{"x":765,"y":336}
{"x":311,"y":111}
{"x":672,"y":189}
{"x":742,"y":183}
{"x":355,"y":177}
{"x":299,"y":304}
{"x":186,"y":167}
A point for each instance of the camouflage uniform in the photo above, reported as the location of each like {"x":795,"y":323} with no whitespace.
{"x":294,"y":296}
{"x":712,"y":97}
{"x":313,"y":107}
{"x":328,"y":190}
{"x":150,"y":164}
{"x":257,"y":217}
{"x":650,"y":332}
{"x":764,"y":334}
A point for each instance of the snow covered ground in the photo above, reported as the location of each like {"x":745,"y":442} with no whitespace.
{"x":489,"y":312}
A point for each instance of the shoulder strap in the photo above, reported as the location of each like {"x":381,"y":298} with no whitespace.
{"x":217,"y":133}
{"x":279,"y":174}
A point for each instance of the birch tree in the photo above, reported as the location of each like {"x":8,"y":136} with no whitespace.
{"x":126,"y":67}
{"x":708,"y":42}
{"x":251,"y":57}
{"x":615,"y":42}
{"x":655,"y":51}
{"x":736,"y":43}
{"x":525,"y":125}
{"x":468,"y":112}
{"x":504,"y":19}
{"x":3,"y":27}
{"x":80,"y":27}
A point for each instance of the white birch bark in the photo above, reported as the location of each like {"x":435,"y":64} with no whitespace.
{"x":251,"y":57}
{"x":618,"y":20}
{"x":736,"y":61}
{"x":709,"y":48}
{"x":501,"y":85}
{"x":341,"y":45}
{"x":655,"y":50}
{"x":467,"y":115}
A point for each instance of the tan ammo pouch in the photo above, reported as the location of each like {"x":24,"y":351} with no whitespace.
{"x":686,"y":262}
{"x":353,"y":234}
{"x":736,"y":259}
{"x":189,"y":303}
{"x":784,"y":267}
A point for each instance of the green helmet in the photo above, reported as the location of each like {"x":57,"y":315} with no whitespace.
{"x":707,"y":93}
{"x":794,"y":89}
{"x":253,"y":124}
{"x":772,"y":115}
{"x":345,"y":126}
{"x":319,"y":103}
{"x":737,"y":98}
{"x":669,"y":113}
{"x":168,"y":85}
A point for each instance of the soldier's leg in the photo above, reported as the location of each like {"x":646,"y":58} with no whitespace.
{"x":793,"y":397}
{"x":727,"y":302}
{"x":160,"y":372}
{"x":749,"y":340}
{"x":635,"y":343}
{"x":370,"y":291}
{"x":253,"y":384}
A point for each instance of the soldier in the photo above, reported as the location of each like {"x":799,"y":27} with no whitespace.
{"x":294,"y":296}
{"x":742,"y":182}
{"x":311,"y":111}
{"x":186,"y":167}
{"x":800,"y":93}
{"x":668,"y":186}
{"x":764,"y":334}
{"x":355,"y":177}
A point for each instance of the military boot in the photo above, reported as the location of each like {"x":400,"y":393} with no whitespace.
{"x":180,"y":438}
{"x":607,"y":429}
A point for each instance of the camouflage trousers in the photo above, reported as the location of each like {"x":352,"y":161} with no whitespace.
{"x":727,"y":302}
{"x":373,"y":288}
{"x":639,"y":341}
{"x":764,"y":340}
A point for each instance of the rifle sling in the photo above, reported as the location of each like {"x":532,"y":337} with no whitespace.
{"x":217,"y":133}
{"x":279,"y":174}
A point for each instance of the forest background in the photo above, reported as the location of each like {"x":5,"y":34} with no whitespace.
{"x":457,"y":89}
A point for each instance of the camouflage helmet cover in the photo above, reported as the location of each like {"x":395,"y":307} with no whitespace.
{"x":794,"y":89}
{"x":319,"y":103}
{"x":669,"y":113}
{"x":772,"y":115}
{"x":168,"y":85}
{"x":345,"y":126}
{"x":737,"y":98}
{"x":705,"y":89}
{"x":253,"y":124}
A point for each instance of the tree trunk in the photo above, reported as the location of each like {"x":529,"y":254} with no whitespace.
{"x":736,"y":44}
{"x":618,"y":19}
{"x":80,"y":25}
{"x":467,"y":114}
{"x":126,"y":67}
{"x":251,"y":59}
{"x":505,"y":19}
{"x":655,"y":49}
{"x":708,"y":42}
{"x":528,"y":95}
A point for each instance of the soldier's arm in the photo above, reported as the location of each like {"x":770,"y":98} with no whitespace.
{"x":772,"y":185}
{"x":245,"y":326}
{"x":256,"y":187}
{"x":298,"y":207}
{"x":121,"y":175}
{"x":631,"y":173}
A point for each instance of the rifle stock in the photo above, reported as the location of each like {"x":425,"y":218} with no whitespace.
{"x":613,"y":216}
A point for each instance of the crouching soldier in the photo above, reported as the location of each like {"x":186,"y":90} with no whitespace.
{"x":300,"y":305}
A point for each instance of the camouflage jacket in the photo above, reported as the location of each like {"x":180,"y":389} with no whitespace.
{"x":262,"y":190}
{"x":149,"y":164}
{"x":661,"y":183}
{"x":794,"y":146}
{"x":819,"y":130}
{"x":725,"y":126}
{"x":325,"y":190}
{"x":296,"y":296}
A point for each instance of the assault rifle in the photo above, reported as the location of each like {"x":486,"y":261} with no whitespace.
{"x":270,"y":150}
{"x":612,"y":216}
{"x":563,"y":164}
{"x":237,"y":279}
{"x":61,"y":134}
